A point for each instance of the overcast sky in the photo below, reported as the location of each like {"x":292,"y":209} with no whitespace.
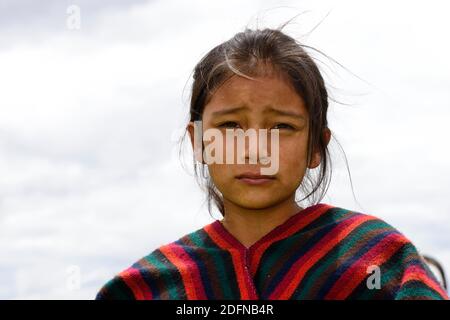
{"x":90,"y":179}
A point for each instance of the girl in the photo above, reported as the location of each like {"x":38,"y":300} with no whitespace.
{"x":267,"y":246}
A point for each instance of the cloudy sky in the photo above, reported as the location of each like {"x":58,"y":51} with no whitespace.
{"x":90,"y":178}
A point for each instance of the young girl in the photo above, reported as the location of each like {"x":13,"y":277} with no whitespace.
{"x":267,"y":246}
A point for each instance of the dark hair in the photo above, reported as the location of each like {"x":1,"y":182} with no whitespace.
{"x":249,"y":54}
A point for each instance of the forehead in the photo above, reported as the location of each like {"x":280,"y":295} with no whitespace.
{"x":258,"y":95}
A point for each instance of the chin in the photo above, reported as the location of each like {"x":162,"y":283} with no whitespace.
{"x":255,"y":203}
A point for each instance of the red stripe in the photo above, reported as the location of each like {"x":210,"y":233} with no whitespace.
{"x":133,"y":279}
{"x":292,"y":278}
{"x":193,"y":269}
{"x":245,"y":282}
{"x":414,"y":272}
{"x":186,"y":275}
{"x":357,"y":272}
{"x":301,"y":220}
{"x":220,"y":240}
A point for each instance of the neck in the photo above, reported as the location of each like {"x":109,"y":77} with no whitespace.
{"x":250,"y":225}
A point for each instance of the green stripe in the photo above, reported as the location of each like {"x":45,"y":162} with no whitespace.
{"x":351,"y":240}
{"x":219,"y":264}
{"x":388,"y":275}
{"x":286,"y":244}
{"x":117,"y":289}
{"x":390,"y":272}
{"x":417,"y":289}
{"x":333,"y":215}
{"x":167,"y":280}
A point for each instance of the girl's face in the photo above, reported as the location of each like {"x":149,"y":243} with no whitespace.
{"x":269,"y":103}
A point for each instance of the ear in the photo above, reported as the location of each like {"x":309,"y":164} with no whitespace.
{"x":190,"y":130}
{"x":198,"y":154}
{"x":316,"y":158}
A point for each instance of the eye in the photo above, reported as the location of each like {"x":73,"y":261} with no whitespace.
{"x":229,"y":124}
{"x":283,"y":126}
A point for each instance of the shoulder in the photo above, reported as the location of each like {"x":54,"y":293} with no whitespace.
{"x":371,"y":244}
{"x":156,"y":275}
{"x":366,"y":224}
{"x":371,"y":237}
{"x":115,"y":289}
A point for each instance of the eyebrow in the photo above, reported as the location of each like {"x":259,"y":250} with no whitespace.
{"x":269,"y":110}
{"x":285,"y":113}
{"x":228,"y":111}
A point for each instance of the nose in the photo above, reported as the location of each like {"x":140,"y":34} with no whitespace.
{"x":256,"y":148}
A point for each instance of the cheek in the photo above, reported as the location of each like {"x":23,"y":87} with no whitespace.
{"x":293,"y":154}
{"x":221,"y":174}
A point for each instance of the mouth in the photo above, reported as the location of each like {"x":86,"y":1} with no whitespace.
{"x":254,"y":178}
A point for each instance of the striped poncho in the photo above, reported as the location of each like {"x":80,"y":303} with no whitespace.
{"x":321,"y":252}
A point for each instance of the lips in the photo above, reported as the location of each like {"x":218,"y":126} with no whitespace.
{"x":249,"y":175}
{"x":254,"y":178}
